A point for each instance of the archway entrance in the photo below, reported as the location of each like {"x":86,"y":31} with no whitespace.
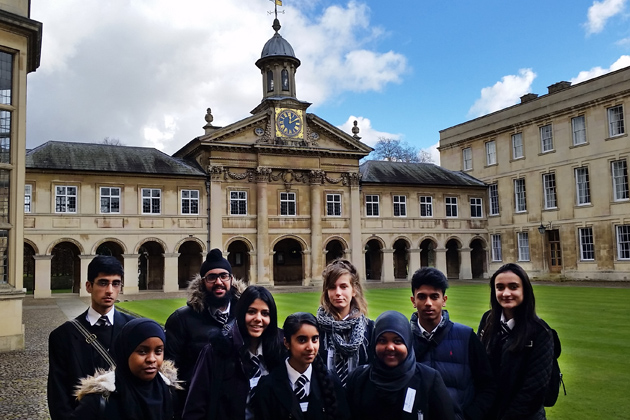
{"x":29,"y":268}
{"x":238,"y":256}
{"x":373,"y":260}
{"x":452,"y":259}
{"x":401,"y":259}
{"x":334,"y":250}
{"x":288,"y":267}
{"x":427,"y":253}
{"x":65,"y":268}
{"x":151,"y":266}
{"x":477,"y":258}
{"x":188,"y":263}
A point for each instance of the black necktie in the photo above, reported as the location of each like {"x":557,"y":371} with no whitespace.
{"x":256,"y":372}
{"x":299,"y":390}
{"x":103,"y":321}
{"x":222,"y":317}
{"x":505,"y":330}
{"x":427,"y":335}
{"x":341,"y":366}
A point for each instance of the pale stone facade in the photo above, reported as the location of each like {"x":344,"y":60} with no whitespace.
{"x":559,"y":160}
{"x":20,"y":48}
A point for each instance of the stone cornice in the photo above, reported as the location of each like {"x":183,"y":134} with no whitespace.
{"x":28,"y":28}
{"x":285,"y":176}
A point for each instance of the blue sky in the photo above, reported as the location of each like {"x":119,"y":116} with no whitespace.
{"x":145,"y":71}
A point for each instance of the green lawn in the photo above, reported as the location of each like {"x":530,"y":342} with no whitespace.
{"x":593,"y":325}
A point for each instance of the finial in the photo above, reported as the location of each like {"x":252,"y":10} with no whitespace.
{"x":276,"y":25}
{"x":209,"y":117}
{"x":355,"y":130}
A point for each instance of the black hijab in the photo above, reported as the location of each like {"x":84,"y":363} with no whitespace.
{"x":140,"y":400}
{"x":386,"y":378}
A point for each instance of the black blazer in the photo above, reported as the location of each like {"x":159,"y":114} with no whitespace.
{"x":70,"y":359}
{"x":274,"y":398}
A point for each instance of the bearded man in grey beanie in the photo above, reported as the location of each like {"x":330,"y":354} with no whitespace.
{"x":210,"y":307}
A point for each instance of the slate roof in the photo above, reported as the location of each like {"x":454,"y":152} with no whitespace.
{"x":385,"y":172}
{"x":69,"y":156}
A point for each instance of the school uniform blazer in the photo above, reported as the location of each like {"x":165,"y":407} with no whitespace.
{"x":71,"y":358}
{"x":274,"y":398}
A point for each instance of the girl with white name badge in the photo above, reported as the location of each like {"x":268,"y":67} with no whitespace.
{"x":228,"y":369}
{"x":393,"y":386}
{"x":301,"y":387}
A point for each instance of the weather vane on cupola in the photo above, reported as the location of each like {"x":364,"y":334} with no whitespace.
{"x":276,"y":22}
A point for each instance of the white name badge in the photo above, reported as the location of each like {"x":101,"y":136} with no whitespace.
{"x":253,"y":382}
{"x":304,"y":407}
{"x":410,"y":397}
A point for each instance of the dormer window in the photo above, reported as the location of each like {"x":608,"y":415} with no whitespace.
{"x":269,"y":81}
{"x":285,"y":79}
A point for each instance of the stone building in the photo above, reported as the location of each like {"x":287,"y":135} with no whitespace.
{"x":280,"y":192}
{"x":556,"y":166}
{"x":20,"y":48}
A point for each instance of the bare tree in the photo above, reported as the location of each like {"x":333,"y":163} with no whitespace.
{"x":112,"y":141}
{"x":395,"y":150}
{"x":425,"y":157}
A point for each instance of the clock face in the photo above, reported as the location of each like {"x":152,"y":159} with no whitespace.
{"x":289,"y":123}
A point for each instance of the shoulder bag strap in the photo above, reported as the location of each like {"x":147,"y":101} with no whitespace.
{"x":92,"y":340}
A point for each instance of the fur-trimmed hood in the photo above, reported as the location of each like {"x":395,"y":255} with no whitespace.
{"x":197,"y":292}
{"x":104,"y":381}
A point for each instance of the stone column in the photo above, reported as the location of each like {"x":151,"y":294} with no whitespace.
{"x":42,"y":276}
{"x":253,"y":267}
{"x":262,"y":228}
{"x":465,"y":270}
{"x":85,"y":261}
{"x":388,"y":265}
{"x":130,"y":265}
{"x":315,"y":268}
{"x":216,"y":211}
{"x":357,"y":251}
{"x":440,"y":259}
{"x":414,"y":261}
{"x":308,"y":274}
{"x":170,"y":272}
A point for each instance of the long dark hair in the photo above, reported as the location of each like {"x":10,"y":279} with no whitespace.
{"x":291,"y":326}
{"x":271,"y":341}
{"x":524,"y":314}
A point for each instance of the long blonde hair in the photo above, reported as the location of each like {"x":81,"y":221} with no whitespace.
{"x":330,"y":275}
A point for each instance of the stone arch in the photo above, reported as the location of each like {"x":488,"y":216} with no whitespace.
{"x":60,"y":240}
{"x":151,"y":239}
{"x":120,"y":243}
{"x":239,"y":257}
{"x":201,"y":243}
{"x":302,"y":242}
{"x":189,"y":260}
{"x":288,"y":261}
{"x":335,"y":247}
{"x":32,"y":245}
{"x":250,"y":245}
{"x":401,"y":248}
{"x":428,"y":245}
{"x":65,"y":266}
{"x":151,"y":264}
{"x":478,"y":257}
{"x":453,"y":258}
{"x":374,"y":258}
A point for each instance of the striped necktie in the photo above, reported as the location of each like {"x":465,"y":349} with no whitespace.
{"x":221,"y":317}
{"x":299,"y":390}
{"x":427,"y":335}
{"x":505,"y":330}
{"x":341,"y":366}
{"x":103,"y":321}
{"x":255,"y":372}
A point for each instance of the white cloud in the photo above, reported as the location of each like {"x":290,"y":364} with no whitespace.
{"x":434,"y":152}
{"x":145,"y":71}
{"x":368,"y":134}
{"x":599,"y":13}
{"x":625,"y":42}
{"x":623,"y":61}
{"x":503,"y":93}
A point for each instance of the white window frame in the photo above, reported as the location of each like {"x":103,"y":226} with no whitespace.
{"x":587,"y":244}
{"x":615,"y":121}
{"x":546,"y":138}
{"x":467,"y":158}
{"x":451,"y":206}
{"x":426,"y":206}
{"x":28,"y":198}
{"x":372,"y":205}
{"x":66,"y":199}
{"x":619,"y":173}
{"x":582,"y":186}
{"x":578,"y":129}
{"x":288,"y":203}
{"x":190,"y":198}
{"x":110,"y":197}
{"x":400,"y":205}
{"x":623,"y":242}
{"x":520,"y":196}
{"x":333,"y":205}
{"x":476,"y":207}
{"x":493,"y":193}
{"x":523,"y":246}
{"x":153,"y":198}
{"x":238,"y":203}
{"x":491,"y":153}
{"x":550,"y":195}
{"x":497,"y":253}
{"x":517,"y":146}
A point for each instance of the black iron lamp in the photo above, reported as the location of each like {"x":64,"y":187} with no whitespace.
{"x":542,"y":228}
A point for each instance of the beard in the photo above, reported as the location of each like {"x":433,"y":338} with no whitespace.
{"x":213,"y":301}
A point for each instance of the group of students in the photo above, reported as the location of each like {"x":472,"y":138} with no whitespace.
{"x":339,"y":364}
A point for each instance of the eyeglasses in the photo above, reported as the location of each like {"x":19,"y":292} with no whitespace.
{"x":213,"y":277}
{"x":116,"y":284}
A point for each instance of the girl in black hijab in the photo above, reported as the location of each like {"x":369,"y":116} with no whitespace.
{"x":139,"y":388}
{"x":393,"y":385}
